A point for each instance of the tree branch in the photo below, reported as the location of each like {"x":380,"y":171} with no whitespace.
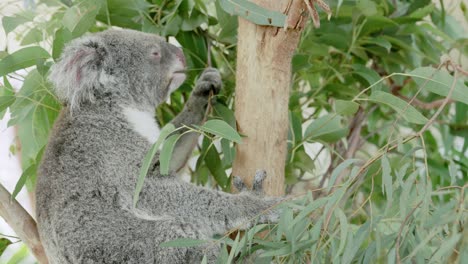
{"x":22,"y":223}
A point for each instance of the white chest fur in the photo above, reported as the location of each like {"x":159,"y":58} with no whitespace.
{"x":143,"y":123}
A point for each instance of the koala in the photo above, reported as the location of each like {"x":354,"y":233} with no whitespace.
{"x":110,"y":84}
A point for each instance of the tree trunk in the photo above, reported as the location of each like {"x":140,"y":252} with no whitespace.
{"x":263,"y":82}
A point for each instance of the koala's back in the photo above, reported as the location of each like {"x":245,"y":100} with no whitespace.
{"x":82,"y":185}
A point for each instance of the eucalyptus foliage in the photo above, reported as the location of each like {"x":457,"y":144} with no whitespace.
{"x":373,"y":92}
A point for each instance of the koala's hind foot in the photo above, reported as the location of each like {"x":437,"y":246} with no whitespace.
{"x":257,"y":185}
{"x":273,"y":213}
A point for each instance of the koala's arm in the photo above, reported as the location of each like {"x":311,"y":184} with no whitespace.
{"x":193,"y":114}
{"x":216,"y":210}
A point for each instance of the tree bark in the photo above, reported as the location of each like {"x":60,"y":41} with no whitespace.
{"x":22,"y":223}
{"x":263,"y":81}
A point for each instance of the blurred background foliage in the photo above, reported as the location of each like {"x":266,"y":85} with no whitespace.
{"x":378,"y":142}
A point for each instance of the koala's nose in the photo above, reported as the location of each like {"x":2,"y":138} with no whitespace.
{"x":179,"y":53}
{"x":180,"y":56}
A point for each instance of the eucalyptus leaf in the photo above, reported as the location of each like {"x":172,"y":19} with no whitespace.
{"x":183,"y":242}
{"x":165,"y":131}
{"x":222,"y":129}
{"x":4,"y":243}
{"x":343,"y":107}
{"x":166,"y":153}
{"x":254,"y":13}
{"x":11,"y":22}
{"x":440,"y":82}
{"x":327,"y":128}
{"x":21,"y":59}
{"x":404,"y":109}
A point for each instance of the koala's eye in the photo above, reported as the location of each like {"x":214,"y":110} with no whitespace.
{"x":155,"y":54}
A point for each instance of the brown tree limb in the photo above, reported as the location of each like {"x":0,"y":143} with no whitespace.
{"x":263,"y":80}
{"x":22,"y":223}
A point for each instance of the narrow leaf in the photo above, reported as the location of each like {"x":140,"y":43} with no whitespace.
{"x":11,"y":22}
{"x":165,"y":131}
{"x":386,"y":179}
{"x":222,"y":129}
{"x":7,"y":95}
{"x":213,"y":162}
{"x":408,"y":112}
{"x":4,"y":243}
{"x":346,"y":108}
{"x":183,"y":242}
{"x":440,"y":82}
{"x":166,"y":153}
{"x":327,"y":128}
{"x":343,"y":230}
{"x":21,"y":59}
{"x":254,"y":13}
{"x":22,"y":180}
{"x":337,"y":171}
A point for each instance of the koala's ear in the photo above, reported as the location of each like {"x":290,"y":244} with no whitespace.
{"x":76,"y":74}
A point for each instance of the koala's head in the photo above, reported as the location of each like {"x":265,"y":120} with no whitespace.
{"x":132,"y":67}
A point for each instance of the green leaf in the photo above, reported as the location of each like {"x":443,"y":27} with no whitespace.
{"x":225,"y":113}
{"x":387,"y":187}
{"x":368,"y":74}
{"x":213,"y":162}
{"x":229,"y":152}
{"x":7,"y":95}
{"x":62,"y":36}
{"x":423,"y":12}
{"x":379,"y":41}
{"x":446,"y":248}
{"x":78,"y":19}
{"x":343,"y":230}
{"x":337,"y":171}
{"x":295,"y":124}
{"x":367,"y":7}
{"x":4,"y":243}
{"x":346,"y":108}
{"x":440,"y":82}
{"x":327,"y":128}
{"x":183,"y":242}
{"x":303,"y":161}
{"x":166,"y":153}
{"x":228,"y":25}
{"x":147,"y":161}
{"x":197,"y":53}
{"x":408,"y":112}
{"x":21,"y":59}
{"x":193,"y":21}
{"x":30,"y":171}
{"x":11,"y":22}
{"x":33,"y":36}
{"x":222,"y":129}
{"x":254,"y":13}
{"x":312,"y":206}
{"x":34,"y":112}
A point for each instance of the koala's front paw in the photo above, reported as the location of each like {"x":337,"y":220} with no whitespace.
{"x":210,"y":80}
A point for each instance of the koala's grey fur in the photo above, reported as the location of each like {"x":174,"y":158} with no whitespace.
{"x":110,"y":83}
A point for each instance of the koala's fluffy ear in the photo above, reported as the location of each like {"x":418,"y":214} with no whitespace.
{"x":76,"y":75}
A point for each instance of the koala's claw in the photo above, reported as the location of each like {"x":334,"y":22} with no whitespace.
{"x":210,"y":80}
{"x":260,"y":176}
{"x":257,"y":186}
{"x":239,"y":184}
